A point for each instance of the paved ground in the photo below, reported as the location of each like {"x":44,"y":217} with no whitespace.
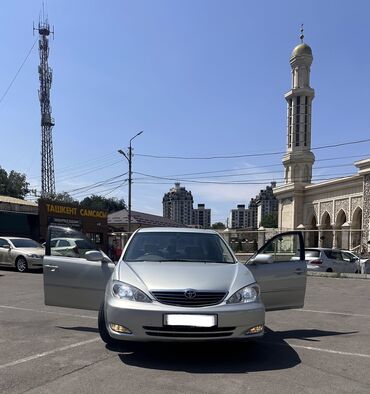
{"x":324,"y":348}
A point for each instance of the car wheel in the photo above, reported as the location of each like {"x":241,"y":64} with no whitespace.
{"x":21,"y":264}
{"x":104,"y":334}
{"x":329,"y":270}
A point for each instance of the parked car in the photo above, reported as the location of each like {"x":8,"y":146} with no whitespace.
{"x":21,"y":253}
{"x":330,"y":260}
{"x":361,"y":264}
{"x":177,"y":284}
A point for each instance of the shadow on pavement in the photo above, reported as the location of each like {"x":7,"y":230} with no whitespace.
{"x":84,"y":329}
{"x":12,"y":269}
{"x":267,"y":354}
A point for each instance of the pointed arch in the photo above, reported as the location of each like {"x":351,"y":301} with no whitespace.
{"x":327,"y":230}
{"x":356,"y":226}
{"x":339,"y":221}
{"x":313,"y":235}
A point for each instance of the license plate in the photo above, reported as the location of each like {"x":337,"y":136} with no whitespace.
{"x":190,"y":320}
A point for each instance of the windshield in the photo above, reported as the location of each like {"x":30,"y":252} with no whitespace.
{"x":25,"y":243}
{"x":178,"y":246}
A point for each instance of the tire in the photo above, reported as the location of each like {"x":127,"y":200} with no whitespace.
{"x":21,"y":264}
{"x":104,"y":334}
{"x":329,"y":270}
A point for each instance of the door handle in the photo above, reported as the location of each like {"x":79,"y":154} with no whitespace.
{"x":52,"y":267}
{"x":299,"y":271}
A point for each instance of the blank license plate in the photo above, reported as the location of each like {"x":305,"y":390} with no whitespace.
{"x":190,"y":320}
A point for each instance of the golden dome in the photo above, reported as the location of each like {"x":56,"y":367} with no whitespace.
{"x":302,"y":49}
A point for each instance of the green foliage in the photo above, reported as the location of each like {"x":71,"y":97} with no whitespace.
{"x":64,"y":197}
{"x":270,"y":220}
{"x":218,"y":226}
{"x":103,"y":203}
{"x":13,"y":184}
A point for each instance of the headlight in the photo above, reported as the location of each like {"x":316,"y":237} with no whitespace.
{"x":245,"y":295}
{"x":127,"y":292}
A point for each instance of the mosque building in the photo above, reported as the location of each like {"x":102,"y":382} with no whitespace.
{"x":334,"y":213}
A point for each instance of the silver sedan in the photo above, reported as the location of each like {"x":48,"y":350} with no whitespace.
{"x":21,"y":253}
{"x":178,"y":284}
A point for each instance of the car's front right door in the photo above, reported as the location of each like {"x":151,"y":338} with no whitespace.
{"x":70,"y":281}
{"x":279,"y":267}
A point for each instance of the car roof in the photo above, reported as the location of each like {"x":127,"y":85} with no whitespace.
{"x":325,"y":249}
{"x":175,"y":230}
{"x":13,"y":237}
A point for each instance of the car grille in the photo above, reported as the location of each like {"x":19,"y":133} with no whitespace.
{"x":189,"y":332}
{"x":178,"y":298}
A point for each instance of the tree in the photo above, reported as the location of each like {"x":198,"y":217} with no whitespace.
{"x":270,"y":220}
{"x":64,"y":197}
{"x":218,"y":226}
{"x":100,"y":202}
{"x":13,"y":184}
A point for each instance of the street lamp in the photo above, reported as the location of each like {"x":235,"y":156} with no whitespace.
{"x":128,"y":157}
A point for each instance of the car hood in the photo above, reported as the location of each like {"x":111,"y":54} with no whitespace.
{"x":38,"y":251}
{"x":150,"y":275}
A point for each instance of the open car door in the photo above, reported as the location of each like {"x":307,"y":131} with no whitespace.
{"x":279,"y":267}
{"x":74,"y":277}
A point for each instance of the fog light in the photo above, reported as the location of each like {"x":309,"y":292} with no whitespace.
{"x":255,"y":330}
{"x":120,"y":329}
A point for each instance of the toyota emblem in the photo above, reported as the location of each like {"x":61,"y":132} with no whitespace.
{"x":190,"y":293}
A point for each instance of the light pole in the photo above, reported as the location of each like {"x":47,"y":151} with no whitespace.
{"x":128,"y":156}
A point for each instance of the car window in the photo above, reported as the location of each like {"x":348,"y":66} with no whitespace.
{"x":333,"y":254}
{"x":25,"y":243}
{"x":53,"y":243}
{"x":348,"y":257}
{"x":63,"y":242}
{"x":312,"y":253}
{"x":282,"y":248}
{"x":3,"y":242}
{"x":178,"y":246}
{"x":76,"y":244}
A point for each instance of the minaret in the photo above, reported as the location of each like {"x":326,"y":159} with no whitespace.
{"x":299,"y":159}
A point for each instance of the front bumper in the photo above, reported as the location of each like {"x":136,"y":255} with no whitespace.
{"x":34,"y":262}
{"x":145,"y":321}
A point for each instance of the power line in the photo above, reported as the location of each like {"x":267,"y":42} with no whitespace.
{"x":230,"y":183}
{"x":17,"y":73}
{"x":248,"y":155}
{"x":250,"y":173}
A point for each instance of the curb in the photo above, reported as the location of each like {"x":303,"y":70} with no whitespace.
{"x":338,"y":275}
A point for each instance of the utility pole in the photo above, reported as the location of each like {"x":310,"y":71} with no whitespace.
{"x":47,"y":121}
{"x":128,"y":157}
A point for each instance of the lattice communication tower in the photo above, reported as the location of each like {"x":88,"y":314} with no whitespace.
{"x":47,"y":121}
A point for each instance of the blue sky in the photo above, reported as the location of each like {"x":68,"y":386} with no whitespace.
{"x":199,"y":77}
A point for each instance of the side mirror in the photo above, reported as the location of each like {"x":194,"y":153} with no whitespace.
{"x":261,"y":259}
{"x":94,"y":255}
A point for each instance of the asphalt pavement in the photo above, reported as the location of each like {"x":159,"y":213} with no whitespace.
{"x":323,"y":348}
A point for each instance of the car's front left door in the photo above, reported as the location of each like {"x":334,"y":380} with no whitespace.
{"x":279,"y":267}
{"x":4,"y":252}
{"x":70,"y":281}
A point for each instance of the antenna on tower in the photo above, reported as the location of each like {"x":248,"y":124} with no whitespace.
{"x":47,"y":121}
{"x":302,"y":35}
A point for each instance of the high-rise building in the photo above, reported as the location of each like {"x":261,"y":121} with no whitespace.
{"x":239,"y":217}
{"x":202,"y":216}
{"x":263,"y":204}
{"x":266,"y":203}
{"x":178,"y":205}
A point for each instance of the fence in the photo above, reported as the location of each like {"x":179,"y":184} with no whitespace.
{"x":248,"y":241}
